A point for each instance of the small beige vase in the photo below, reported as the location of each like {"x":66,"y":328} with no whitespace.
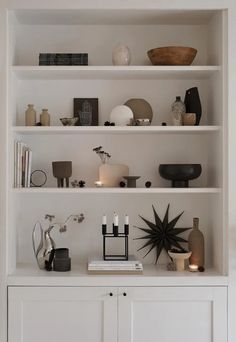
{"x":196,"y":245}
{"x":45,"y":118}
{"x":111,"y":174}
{"x":30,"y":116}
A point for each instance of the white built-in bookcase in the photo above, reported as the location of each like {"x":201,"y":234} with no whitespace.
{"x":141,"y":148}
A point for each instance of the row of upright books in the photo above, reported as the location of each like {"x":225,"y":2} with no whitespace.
{"x":22,"y":165}
{"x":100,"y":266}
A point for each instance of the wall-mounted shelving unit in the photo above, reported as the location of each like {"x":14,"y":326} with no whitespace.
{"x":142,"y":148}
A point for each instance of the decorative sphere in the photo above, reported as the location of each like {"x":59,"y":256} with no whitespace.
{"x":148,"y":184}
{"x":122,"y":184}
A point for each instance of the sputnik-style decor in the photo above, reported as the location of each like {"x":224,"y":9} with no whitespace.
{"x":162,"y":234}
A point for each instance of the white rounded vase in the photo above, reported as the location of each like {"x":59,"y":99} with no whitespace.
{"x":121,"y":55}
{"x":111,"y":174}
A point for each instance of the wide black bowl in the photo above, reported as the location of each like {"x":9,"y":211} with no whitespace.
{"x":180,"y":174}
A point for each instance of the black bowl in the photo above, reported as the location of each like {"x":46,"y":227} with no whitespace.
{"x":180,"y":174}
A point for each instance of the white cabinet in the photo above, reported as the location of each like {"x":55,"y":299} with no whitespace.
{"x":167,"y":314}
{"x":131,"y":314}
{"x":59,"y":314}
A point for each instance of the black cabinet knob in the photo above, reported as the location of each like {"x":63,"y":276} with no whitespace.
{"x":124,"y":294}
{"x":111,"y":294}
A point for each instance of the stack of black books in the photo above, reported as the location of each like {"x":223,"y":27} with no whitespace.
{"x":63,"y":59}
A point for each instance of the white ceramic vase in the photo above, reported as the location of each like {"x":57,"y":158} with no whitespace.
{"x":111,"y":174}
{"x":121,"y":55}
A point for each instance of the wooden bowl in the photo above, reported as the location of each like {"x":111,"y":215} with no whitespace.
{"x":172,"y":55}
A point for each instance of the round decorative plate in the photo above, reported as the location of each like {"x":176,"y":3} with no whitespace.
{"x":121,"y":115}
{"x":141,"y":109}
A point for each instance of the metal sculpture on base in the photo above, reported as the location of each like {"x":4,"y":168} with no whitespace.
{"x":113,"y":235}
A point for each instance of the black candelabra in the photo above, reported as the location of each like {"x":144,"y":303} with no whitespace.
{"x":113,"y":235}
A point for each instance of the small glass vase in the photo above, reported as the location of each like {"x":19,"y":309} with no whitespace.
{"x":177,"y":111}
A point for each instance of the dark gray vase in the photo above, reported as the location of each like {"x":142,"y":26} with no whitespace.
{"x":193,"y":103}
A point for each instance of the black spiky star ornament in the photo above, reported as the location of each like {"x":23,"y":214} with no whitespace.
{"x":162,"y":234}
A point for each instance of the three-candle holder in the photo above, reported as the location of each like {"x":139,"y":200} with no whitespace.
{"x":116,"y":234}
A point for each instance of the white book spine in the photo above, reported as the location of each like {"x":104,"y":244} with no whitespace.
{"x":15,"y":164}
{"x":23,"y":165}
{"x":18,"y":165}
{"x":26,"y":167}
{"x":29,"y":168}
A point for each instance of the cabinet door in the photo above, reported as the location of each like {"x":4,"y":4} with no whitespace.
{"x":60,"y":314}
{"x":172,"y":314}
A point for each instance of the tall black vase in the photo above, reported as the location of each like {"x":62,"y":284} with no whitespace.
{"x":193,"y":103}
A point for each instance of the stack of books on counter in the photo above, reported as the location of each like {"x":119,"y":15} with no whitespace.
{"x":22,"y":165}
{"x":100,"y":266}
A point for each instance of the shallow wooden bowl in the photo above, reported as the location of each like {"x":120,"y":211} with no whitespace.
{"x":172,"y":55}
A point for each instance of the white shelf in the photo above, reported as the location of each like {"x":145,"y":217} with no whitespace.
{"x":113,"y":72}
{"x":113,"y":16}
{"x":114,"y":130}
{"x":153,"y":275}
{"x":116,"y":190}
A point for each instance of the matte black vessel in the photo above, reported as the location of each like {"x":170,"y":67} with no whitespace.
{"x":180,"y":174}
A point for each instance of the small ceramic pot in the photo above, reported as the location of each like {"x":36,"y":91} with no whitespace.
{"x":179,"y":259}
{"x":62,"y":261}
{"x":189,"y":119}
{"x":62,"y":170}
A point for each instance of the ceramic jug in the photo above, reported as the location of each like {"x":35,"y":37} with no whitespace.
{"x":30,"y":116}
{"x":45,"y":117}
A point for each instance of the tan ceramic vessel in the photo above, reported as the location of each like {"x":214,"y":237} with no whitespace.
{"x":196,"y":245}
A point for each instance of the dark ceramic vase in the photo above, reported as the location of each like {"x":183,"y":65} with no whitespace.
{"x":62,"y":170}
{"x":193,"y":103}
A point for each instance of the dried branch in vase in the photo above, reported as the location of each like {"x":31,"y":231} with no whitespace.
{"x":104,"y":156}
